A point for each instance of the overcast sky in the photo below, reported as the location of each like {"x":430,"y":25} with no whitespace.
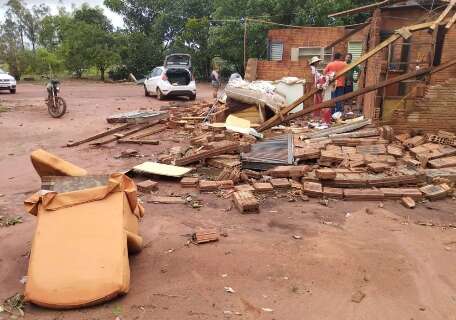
{"x":54,"y":4}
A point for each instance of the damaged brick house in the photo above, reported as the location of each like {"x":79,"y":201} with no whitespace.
{"x":426,"y":102}
{"x":289,"y":50}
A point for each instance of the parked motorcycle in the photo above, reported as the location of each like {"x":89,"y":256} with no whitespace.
{"x":56,"y":104}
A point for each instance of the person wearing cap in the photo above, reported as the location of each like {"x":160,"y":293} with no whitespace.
{"x":320,"y":81}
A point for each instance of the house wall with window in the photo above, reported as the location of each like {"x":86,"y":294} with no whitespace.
{"x":289,"y":50}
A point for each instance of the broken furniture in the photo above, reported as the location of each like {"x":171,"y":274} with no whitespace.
{"x":79,"y":254}
{"x":47,"y":164}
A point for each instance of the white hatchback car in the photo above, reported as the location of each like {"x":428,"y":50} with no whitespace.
{"x":7,"y":82}
{"x":173,"y":79}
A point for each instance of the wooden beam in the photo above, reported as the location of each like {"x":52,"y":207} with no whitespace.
{"x":366,"y":8}
{"x":126,"y":134}
{"x":347,"y":35}
{"x":148,"y":133}
{"x":202,"y":155}
{"x":365,"y":90}
{"x":100,"y":135}
{"x":276,"y":119}
{"x":451,"y":22}
{"x":136,"y":141}
{"x":443,"y":14}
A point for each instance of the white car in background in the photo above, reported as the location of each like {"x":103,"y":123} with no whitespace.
{"x":7,"y":82}
{"x":173,"y":79}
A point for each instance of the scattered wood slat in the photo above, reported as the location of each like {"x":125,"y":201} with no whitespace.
{"x":100,"y":135}
{"x":166,"y":200}
{"x":202,"y":155}
{"x":139,"y":141}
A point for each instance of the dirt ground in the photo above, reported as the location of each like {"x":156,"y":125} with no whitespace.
{"x":406,"y":271}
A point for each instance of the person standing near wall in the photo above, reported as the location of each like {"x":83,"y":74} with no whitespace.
{"x":215,"y":82}
{"x":351,"y":77}
{"x":320,"y":82}
{"x":339,"y":85}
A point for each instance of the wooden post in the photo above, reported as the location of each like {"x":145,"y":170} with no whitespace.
{"x":245,"y":44}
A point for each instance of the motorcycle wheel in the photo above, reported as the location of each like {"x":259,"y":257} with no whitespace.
{"x":57,"y":110}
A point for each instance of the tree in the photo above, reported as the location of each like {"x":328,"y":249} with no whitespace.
{"x":11,"y":50}
{"x":93,"y":16}
{"x":103,"y":50}
{"x":75,"y":48}
{"x":28,"y":21}
{"x":54,"y":28}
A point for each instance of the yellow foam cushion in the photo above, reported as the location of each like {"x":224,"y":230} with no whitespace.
{"x":47,"y":164}
{"x":79,"y":253}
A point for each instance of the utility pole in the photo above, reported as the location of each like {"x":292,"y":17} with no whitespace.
{"x":245,"y":43}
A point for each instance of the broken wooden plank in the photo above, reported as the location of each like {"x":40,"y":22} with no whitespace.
{"x":202,"y":155}
{"x":121,"y":136}
{"x":443,"y":15}
{"x":148,"y":133}
{"x":361,"y":9}
{"x":166,"y":200}
{"x":245,"y":202}
{"x":100,"y":135}
{"x":139,"y":141}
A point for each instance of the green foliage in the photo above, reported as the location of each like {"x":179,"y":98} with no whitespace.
{"x":34,"y":40}
{"x":47,"y":62}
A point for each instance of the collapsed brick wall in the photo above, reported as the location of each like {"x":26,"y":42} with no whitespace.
{"x":296,"y":38}
{"x":393,"y":19}
{"x":386,"y":21}
{"x":435,"y":111}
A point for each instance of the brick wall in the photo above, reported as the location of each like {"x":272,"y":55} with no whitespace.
{"x":420,"y":49}
{"x":295,"y":38}
{"x":435,"y":111}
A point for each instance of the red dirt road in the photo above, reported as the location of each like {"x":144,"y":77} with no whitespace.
{"x":407,"y":271}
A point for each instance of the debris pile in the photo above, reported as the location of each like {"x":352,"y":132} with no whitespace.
{"x":352,"y":160}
